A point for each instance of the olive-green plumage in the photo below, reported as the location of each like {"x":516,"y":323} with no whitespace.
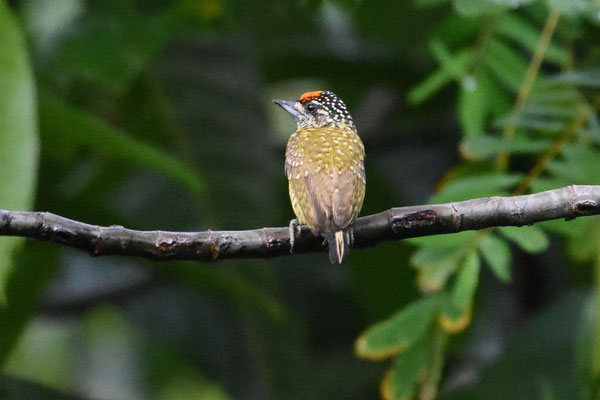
{"x":325,"y":169}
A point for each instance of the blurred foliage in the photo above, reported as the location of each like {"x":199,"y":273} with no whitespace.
{"x":157,"y":115}
{"x":18,"y":133}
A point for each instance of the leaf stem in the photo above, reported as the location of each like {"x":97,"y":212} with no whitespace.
{"x":528,"y":81}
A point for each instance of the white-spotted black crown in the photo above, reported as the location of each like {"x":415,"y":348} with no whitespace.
{"x":331,"y":103}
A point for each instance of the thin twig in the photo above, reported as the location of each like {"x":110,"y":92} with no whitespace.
{"x":528,"y":81}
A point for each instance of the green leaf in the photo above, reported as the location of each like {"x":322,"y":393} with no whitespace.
{"x":531,"y":239}
{"x":564,"y":228}
{"x":555,"y":93}
{"x":19,"y":143}
{"x":36,"y":266}
{"x":532,"y":122}
{"x":447,"y":61}
{"x":521,"y":31}
{"x":542,"y":184}
{"x":496,"y":253}
{"x":488,"y":146}
{"x":398,"y":333}
{"x":580,"y":77}
{"x":573,"y":7}
{"x":47,"y":365}
{"x":471,"y":187}
{"x":435,"y":266}
{"x":583,"y":247}
{"x":472,"y":108}
{"x":579,"y":165}
{"x":542,"y":116}
{"x":481,"y":96}
{"x":458,"y":303}
{"x":506,"y":63}
{"x":474,"y":8}
{"x":440,"y":78}
{"x":401,"y":380}
{"x":79,"y":127}
{"x":562,"y":111}
{"x":592,"y":131}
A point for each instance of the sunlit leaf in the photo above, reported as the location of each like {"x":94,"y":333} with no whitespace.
{"x":531,"y":239}
{"x":458,"y":302}
{"x":496,"y":253}
{"x":398,"y":333}
{"x":18,"y":133}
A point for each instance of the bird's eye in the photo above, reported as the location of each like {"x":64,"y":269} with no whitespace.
{"x":310,"y":107}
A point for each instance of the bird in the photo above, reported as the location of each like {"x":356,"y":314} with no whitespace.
{"x":324,"y":165}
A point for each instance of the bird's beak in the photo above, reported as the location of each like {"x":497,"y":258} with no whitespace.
{"x":288,"y":105}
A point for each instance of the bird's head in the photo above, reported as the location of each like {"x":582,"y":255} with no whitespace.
{"x":317,"y":109}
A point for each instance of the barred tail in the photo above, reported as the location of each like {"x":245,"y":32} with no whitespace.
{"x":339,"y":246}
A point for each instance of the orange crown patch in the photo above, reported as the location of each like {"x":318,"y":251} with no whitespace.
{"x":308,"y":96}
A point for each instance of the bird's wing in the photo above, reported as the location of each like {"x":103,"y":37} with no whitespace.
{"x":347,"y":196}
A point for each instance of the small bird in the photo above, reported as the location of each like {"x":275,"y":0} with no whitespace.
{"x":324,"y":164}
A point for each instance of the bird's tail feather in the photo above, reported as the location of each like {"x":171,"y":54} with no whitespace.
{"x":339,"y":246}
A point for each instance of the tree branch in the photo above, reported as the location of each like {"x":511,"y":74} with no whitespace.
{"x":397,"y":223}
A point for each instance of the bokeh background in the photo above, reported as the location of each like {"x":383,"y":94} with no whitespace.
{"x":157,"y":115}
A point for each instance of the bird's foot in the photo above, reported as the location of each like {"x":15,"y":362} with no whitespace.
{"x":351,"y":234}
{"x":294,"y":226}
